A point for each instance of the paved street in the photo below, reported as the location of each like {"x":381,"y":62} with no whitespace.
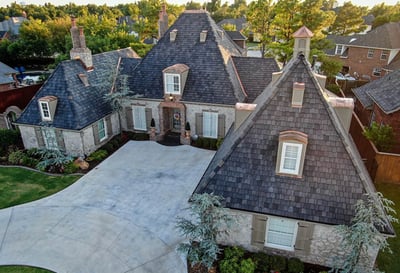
{"x":120,"y":217}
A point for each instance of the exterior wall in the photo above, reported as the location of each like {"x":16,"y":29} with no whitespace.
{"x":153,"y":104}
{"x":73,"y":142}
{"x":28,"y":136}
{"x":192,"y":109}
{"x":323,"y":250}
{"x":358,"y":62}
{"x":362,"y":113}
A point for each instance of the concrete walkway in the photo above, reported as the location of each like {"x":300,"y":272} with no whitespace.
{"x":120,"y":217}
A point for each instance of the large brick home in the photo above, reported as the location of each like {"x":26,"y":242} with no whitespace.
{"x":379,"y":101}
{"x":369,"y":56}
{"x":289,"y":172}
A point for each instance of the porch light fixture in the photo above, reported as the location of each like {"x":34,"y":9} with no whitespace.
{"x":171,"y":98}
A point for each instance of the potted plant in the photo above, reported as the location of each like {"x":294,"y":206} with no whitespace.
{"x":187,"y":129}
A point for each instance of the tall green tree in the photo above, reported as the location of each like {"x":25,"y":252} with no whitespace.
{"x":349,"y":20}
{"x":385,"y":14}
{"x":35,"y":37}
{"x":260,"y":16}
{"x":315,"y":18}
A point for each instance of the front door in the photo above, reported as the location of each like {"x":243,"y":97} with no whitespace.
{"x":176,"y":120}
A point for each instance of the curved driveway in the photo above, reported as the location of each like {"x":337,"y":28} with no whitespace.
{"x":120,"y":217}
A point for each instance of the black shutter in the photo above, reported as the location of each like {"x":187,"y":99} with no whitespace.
{"x":129,"y":118}
{"x":149,"y":116}
{"x":109,"y":127}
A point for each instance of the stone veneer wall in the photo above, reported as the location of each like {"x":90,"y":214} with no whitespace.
{"x":324,"y":245}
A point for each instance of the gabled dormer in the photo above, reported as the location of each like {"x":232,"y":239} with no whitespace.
{"x":47,"y":106}
{"x":174,"y":78}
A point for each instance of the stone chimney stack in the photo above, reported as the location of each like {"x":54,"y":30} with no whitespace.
{"x":79,"y":49}
{"x":302,"y":41}
{"x":162,"y":21}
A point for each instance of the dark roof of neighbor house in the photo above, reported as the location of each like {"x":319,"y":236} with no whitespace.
{"x":78,"y":105}
{"x":243,"y":169}
{"x":236,"y":35}
{"x":385,"y":92}
{"x":211,"y":78}
{"x":394,"y":64}
{"x":239,"y":23}
{"x":3,"y":33}
{"x":5,"y":72}
{"x":255,"y":74}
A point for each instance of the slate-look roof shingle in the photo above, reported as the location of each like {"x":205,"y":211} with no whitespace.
{"x":385,"y":92}
{"x":243,"y":169}
{"x":5,"y":73}
{"x":78,"y":106}
{"x":255,"y":74}
{"x":211,"y":78}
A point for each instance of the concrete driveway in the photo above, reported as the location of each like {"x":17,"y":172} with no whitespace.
{"x":120,"y":217}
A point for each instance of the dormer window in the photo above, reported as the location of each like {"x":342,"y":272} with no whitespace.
{"x":291,"y":153}
{"x":172,"y":83}
{"x":174,"y":79}
{"x":47,"y":106}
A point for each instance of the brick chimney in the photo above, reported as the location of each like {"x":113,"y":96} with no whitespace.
{"x":162,"y":21}
{"x":79,"y":49}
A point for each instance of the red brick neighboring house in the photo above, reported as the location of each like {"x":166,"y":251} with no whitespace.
{"x":379,"y":101}
{"x":369,"y":56}
{"x":13,"y":98}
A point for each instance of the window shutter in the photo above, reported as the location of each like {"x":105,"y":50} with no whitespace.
{"x":60,"y":139}
{"x":96,"y":133}
{"x":221,"y":125}
{"x":259,"y":226}
{"x":199,"y":124}
{"x":129,"y":118}
{"x":109,"y":126}
{"x":304,"y":237}
{"x":39,"y":137}
{"x":148,"y":117}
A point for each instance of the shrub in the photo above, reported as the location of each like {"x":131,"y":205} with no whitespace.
{"x":278,"y":263}
{"x":70,"y":167}
{"x":199,"y":142}
{"x":334,"y":88}
{"x":295,"y":265}
{"x":213,"y":144}
{"x":108,"y":147}
{"x":381,"y":135}
{"x":206,"y":143}
{"x":228,"y":266}
{"x":141,"y":136}
{"x":7,"y":138}
{"x":233,"y":252}
{"x":97,"y":155}
{"x":32,"y":152}
{"x":52,"y":160}
{"x":219,"y":142}
{"x":29,"y":161}
{"x":262,"y":262}
{"x":247,"y":266}
{"x":16,"y":157}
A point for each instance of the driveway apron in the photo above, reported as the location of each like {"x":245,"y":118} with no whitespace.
{"x":120,"y":217}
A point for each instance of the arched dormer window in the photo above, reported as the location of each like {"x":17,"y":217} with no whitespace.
{"x":291,"y":153}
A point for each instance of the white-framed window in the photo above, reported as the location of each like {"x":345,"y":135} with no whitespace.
{"x":377,"y":71}
{"x":172,"y":83}
{"x":370,"y":53}
{"x":281,"y":233}
{"x":210,"y":124}
{"x":384,"y":54}
{"x":102,"y":129}
{"x":290,"y":158}
{"x":50,"y":138}
{"x":139,"y":118}
{"x":339,"y":50}
{"x":45,"y":110}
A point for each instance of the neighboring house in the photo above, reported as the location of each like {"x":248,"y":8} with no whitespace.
{"x":238,"y":38}
{"x":13,"y":97}
{"x":70,"y":111}
{"x":371,"y":55}
{"x":379,"y":101}
{"x":195,"y":74}
{"x":238,"y":24}
{"x":289,"y":171}
{"x":12,"y":24}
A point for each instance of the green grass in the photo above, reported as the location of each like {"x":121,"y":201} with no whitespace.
{"x":390,"y":263}
{"x":18,"y":186}
{"x":22,"y":269}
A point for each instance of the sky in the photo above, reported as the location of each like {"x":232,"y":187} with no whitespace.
{"x":4,"y":3}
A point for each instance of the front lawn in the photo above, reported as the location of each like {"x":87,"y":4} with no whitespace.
{"x":18,"y":186}
{"x":390,"y":263}
{"x":22,"y":269}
